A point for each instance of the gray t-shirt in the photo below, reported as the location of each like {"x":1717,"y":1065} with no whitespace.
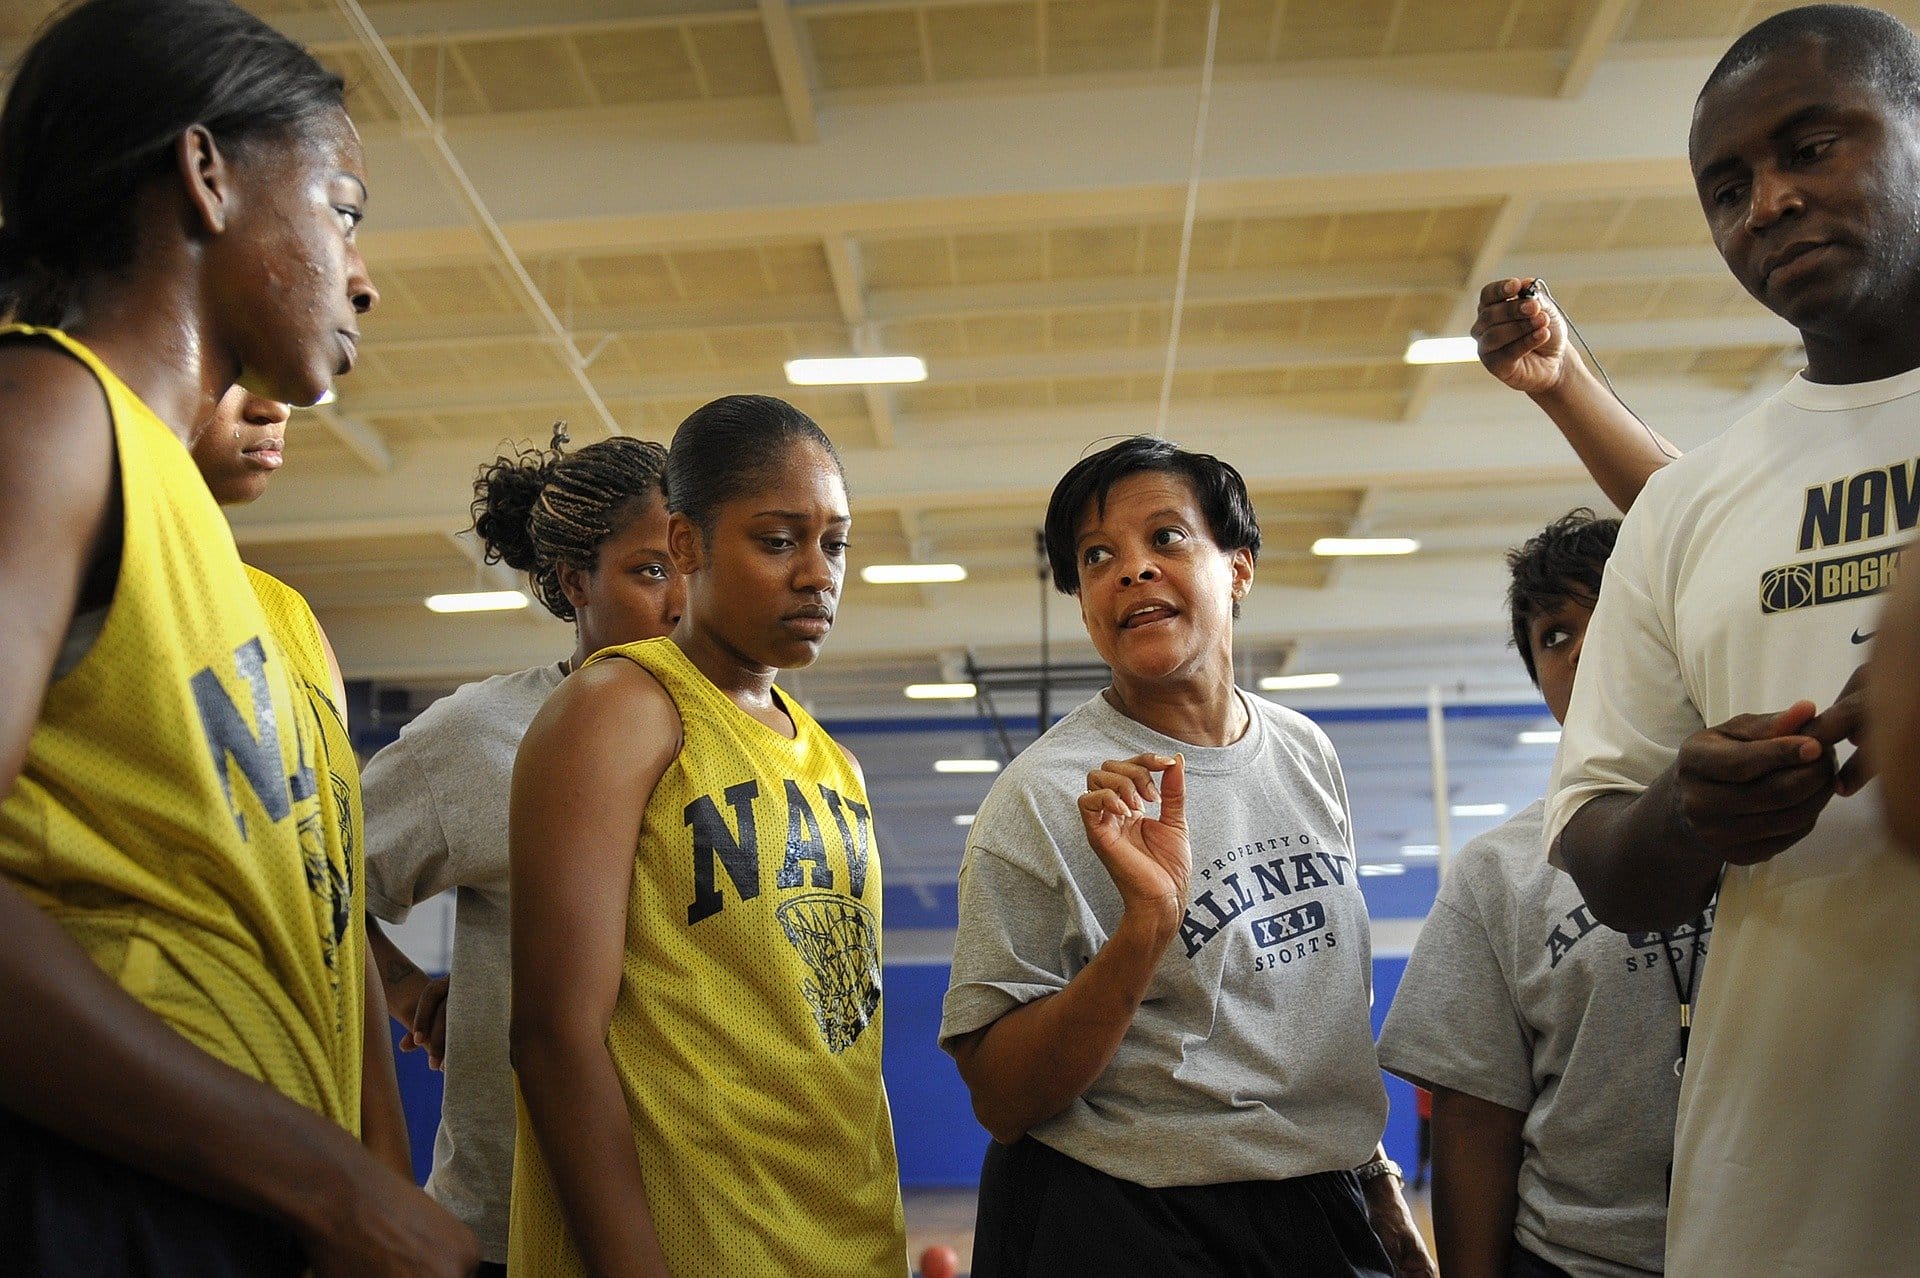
{"x":1251,"y":1057}
{"x":436,"y":803}
{"x":1516,"y":995}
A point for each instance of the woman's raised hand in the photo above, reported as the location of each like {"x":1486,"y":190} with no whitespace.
{"x":1148,"y":857}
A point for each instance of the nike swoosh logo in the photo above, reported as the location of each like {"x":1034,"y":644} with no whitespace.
{"x":1860,"y":638}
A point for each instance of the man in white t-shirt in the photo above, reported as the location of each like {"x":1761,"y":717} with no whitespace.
{"x":1712,"y":729}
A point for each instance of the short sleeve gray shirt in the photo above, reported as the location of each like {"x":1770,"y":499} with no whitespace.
{"x":1516,"y":995}
{"x":436,"y":804}
{"x":1251,"y":1057}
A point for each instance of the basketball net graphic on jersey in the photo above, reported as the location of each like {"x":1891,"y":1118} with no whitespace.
{"x":333,"y":894}
{"x":839,"y":942}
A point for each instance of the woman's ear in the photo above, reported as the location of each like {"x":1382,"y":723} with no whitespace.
{"x":206,"y":177}
{"x":573,"y":584}
{"x":1242,"y":569}
{"x":685,"y":546}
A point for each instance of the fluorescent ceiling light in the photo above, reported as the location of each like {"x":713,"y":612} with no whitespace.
{"x":939,"y":691}
{"x":478,"y":601}
{"x":1375,"y":871}
{"x":911,"y":574}
{"x":1291,"y":683}
{"x":1365,"y":546}
{"x":1442,"y":350}
{"x":1544,"y":736}
{"x":965,"y":818}
{"x":1420,"y":849}
{"x":858,"y":370}
{"x":1479,"y":809}
{"x":966,"y":765}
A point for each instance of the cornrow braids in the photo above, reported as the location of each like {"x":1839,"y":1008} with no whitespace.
{"x":540,"y":509}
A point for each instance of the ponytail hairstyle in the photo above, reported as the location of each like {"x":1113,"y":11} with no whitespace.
{"x":539,"y":509}
{"x":731,"y":447}
{"x":95,"y":110}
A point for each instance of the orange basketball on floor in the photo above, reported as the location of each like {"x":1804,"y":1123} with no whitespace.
{"x":939,"y":1262}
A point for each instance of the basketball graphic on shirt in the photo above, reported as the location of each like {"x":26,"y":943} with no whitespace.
{"x":837,"y":938}
{"x":1787,"y":587}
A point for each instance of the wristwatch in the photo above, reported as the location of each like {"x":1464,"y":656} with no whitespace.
{"x":1377,"y":1168}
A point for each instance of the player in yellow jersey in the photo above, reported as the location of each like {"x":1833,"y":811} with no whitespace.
{"x":589,"y":528}
{"x":696,"y":912}
{"x":238,"y":452}
{"x":178,"y":191}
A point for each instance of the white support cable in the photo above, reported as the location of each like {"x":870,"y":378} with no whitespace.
{"x":400,"y":90}
{"x":1186,"y":221}
{"x":1442,"y":790}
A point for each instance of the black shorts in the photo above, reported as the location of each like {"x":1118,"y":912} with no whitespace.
{"x":67,"y":1212}
{"x":1045,"y":1215}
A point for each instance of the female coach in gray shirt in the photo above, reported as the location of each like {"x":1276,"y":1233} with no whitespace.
{"x":1163,"y":1017}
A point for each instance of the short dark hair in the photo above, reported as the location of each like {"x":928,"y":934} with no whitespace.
{"x":1218,"y":488}
{"x":732,"y":447}
{"x":93,"y":113}
{"x":1564,"y":561}
{"x":1876,"y":46}
{"x":540,"y":509}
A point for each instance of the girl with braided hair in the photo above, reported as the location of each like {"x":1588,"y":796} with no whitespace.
{"x":589,"y":528}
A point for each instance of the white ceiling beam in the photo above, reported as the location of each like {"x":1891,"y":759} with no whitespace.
{"x":1010,"y":461}
{"x":1641,"y":335}
{"x":849,"y":283}
{"x":473,"y":207}
{"x":786,"y":42}
{"x":464,"y":21}
{"x":880,"y":414}
{"x":587,"y":323}
{"x":491,"y":576}
{"x":360,"y":439}
{"x":849,"y":278}
{"x":1694,"y":262}
{"x":850,"y":291}
{"x":433,"y":22}
{"x":439,"y":22}
{"x":1359,"y":279}
{"x":732,"y":225}
{"x":1509,"y":223}
{"x":1026,"y":159}
{"x":1450,"y":594}
{"x":427,"y":518}
{"x":1603,"y":25}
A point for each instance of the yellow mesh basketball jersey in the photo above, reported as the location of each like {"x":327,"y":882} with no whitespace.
{"x":334,"y":855}
{"x":170,"y":787}
{"x":747,"y":1028}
